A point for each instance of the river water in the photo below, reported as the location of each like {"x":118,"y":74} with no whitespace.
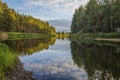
{"x":61,"y":59}
{"x":55,"y":63}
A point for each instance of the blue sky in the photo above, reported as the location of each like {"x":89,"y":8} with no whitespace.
{"x":46,"y":9}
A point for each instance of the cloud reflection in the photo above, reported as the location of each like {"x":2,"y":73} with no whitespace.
{"x":53,"y":64}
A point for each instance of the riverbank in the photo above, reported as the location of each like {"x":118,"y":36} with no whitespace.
{"x":10,"y":66}
{"x":17,"y":35}
{"x":112,"y":39}
{"x":97,"y":36}
{"x":17,"y":72}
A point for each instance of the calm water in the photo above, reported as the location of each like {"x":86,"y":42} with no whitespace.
{"x":53,"y":59}
{"x":54,"y":63}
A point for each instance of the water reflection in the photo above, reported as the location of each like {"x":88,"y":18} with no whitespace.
{"x":54,"y":64}
{"x":84,"y":61}
{"x":101,"y":62}
{"x":30,"y":46}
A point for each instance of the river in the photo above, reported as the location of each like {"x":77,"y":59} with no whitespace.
{"x":61,"y":59}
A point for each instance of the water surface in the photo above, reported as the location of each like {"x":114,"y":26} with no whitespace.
{"x":54,"y":64}
{"x":55,"y":59}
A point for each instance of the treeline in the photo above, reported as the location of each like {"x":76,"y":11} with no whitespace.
{"x":12,"y":21}
{"x":97,"y":16}
{"x":62,"y":35}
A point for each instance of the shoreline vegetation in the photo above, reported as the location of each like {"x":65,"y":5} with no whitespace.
{"x":18,"y":35}
{"x":115,"y":36}
{"x":10,"y":66}
{"x":111,"y":39}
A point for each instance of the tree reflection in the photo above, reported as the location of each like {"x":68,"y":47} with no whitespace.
{"x":99,"y":61}
{"x":28,"y":47}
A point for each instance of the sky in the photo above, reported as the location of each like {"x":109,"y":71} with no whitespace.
{"x":46,"y":9}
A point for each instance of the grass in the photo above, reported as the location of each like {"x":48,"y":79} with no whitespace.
{"x":93,"y":36}
{"x":16,"y":35}
{"x":7,"y":59}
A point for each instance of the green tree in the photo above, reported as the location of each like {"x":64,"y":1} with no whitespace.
{"x":12,"y":21}
{"x":97,"y":16}
{"x":116,"y":14}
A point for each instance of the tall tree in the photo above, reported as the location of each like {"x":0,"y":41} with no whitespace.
{"x":97,"y":16}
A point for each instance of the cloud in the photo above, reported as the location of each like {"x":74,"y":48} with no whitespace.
{"x":57,"y":6}
{"x":47,"y":9}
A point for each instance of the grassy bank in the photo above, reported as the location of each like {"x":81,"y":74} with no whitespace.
{"x":10,"y":66}
{"x":96,"y":36}
{"x":98,"y":42}
{"x":7,"y":59}
{"x":16,"y":35}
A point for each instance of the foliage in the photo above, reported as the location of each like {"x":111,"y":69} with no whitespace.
{"x":7,"y":59}
{"x":12,"y":21}
{"x":93,"y":36}
{"x":16,"y":35}
{"x":62,"y":35}
{"x":97,"y":16}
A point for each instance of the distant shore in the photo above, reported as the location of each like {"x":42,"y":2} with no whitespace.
{"x":18,"y":35}
{"x":105,"y":39}
{"x":115,"y":37}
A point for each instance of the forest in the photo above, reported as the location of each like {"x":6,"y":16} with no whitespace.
{"x":12,"y":21}
{"x":97,"y":16}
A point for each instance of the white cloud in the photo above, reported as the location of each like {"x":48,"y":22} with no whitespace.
{"x":62,"y":6}
{"x":46,"y":9}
